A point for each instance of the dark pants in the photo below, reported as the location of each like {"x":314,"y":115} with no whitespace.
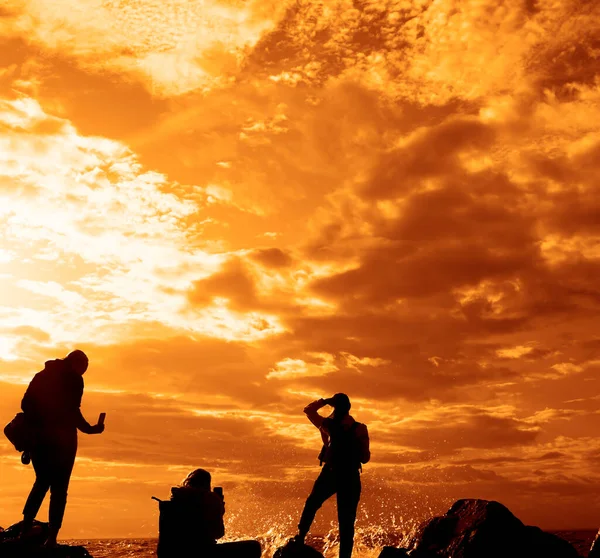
{"x":346,"y":485}
{"x":53,"y":461}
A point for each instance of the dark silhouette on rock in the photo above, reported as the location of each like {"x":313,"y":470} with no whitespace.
{"x":484,"y":529}
{"x":192,"y":520}
{"x":345,"y":448}
{"x":52,"y":414}
{"x":13,"y":545}
{"x":297,"y":549}
{"x":595,"y":550}
{"x":393,"y":552}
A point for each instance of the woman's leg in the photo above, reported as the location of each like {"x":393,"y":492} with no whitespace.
{"x":323,"y":489}
{"x":42,"y":467}
{"x":59,"y":485}
{"x":348,"y":496}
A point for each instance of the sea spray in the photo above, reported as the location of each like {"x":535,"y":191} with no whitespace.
{"x":146,"y":548}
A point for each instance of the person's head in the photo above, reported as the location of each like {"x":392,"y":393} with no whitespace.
{"x":341,"y":404}
{"x":77,"y":361}
{"x":197,"y":479}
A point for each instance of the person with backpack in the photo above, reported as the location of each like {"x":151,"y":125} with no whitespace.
{"x":51,"y":406}
{"x":345,"y":449}
{"x":192,"y":520}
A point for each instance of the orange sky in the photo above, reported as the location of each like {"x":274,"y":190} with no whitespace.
{"x":235,"y":207}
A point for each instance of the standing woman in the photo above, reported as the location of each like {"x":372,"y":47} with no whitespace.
{"x":345,"y":449}
{"x":51,"y":406}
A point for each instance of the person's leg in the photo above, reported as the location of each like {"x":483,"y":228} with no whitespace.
{"x":239,"y":549}
{"x":41,"y":466}
{"x":323,"y":489}
{"x":59,"y":485}
{"x":348,"y":496}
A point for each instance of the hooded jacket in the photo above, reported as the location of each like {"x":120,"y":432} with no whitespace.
{"x":53,"y":398}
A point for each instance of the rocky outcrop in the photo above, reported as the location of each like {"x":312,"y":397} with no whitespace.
{"x":484,"y":529}
{"x":11,"y":546}
{"x":295,"y":549}
{"x":595,"y":550}
{"x":393,"y":552}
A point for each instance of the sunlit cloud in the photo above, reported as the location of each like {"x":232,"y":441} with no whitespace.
{"x":87,"y":199}
{"x":292,"y":368}
{"x":174,"y":46}
{"x":514,"y":352}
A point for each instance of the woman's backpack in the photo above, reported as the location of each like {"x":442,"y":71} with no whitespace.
{"x":343,"y":450}
{"x":183,"y":529}
{"x":20,"y":433}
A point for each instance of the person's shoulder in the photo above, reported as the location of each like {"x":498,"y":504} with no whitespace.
{"x":361,"y":428}
{"x":47,"y":374}
{"x":73,"y":378}
{"x":213,"y":497}
{"x":212,"y":502}
{"x":209,"y":495}
{"x":51,"y":368}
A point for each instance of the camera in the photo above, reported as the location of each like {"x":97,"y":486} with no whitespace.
{"x":218,"y":490}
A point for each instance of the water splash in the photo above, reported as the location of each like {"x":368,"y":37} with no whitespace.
{"x":368,"y":540}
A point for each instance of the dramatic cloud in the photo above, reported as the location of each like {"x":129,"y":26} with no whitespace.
{"x":173,"y":46}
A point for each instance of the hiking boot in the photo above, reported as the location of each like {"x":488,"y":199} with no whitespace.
{"x":51,"y":541}
{"x":25,"y":458}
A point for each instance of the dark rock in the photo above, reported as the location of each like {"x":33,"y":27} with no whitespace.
{"x":11,"y":546}
{"x":595,"y":550}
{"x":393,"y":552}
{"x":547,"y":544}
{"x":293,"y":549}
{"x":485,"y":529}
{"x":36,"y":535}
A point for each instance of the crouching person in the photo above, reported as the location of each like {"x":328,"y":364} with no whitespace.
{"x":192,"y":520}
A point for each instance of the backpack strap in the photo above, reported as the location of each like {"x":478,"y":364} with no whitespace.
{"x":353,"y":428}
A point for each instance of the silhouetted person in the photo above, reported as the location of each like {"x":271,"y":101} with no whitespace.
{"x":51,"y":406}
{"x":192,"y":520}
{"x":345,"y":448}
